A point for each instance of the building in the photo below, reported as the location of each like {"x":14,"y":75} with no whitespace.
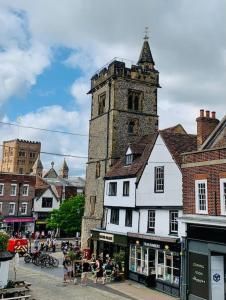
{"x":142,"y":201}
{"x":204,"y":200}
{"x":17,"y":193}
{"x":124,"y":107}
{"x":51,"y":190}
{"x":19,"y":156}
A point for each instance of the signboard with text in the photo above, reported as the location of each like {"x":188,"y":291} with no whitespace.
{"x":198,"y":275}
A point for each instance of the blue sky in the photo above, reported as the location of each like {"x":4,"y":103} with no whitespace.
{"x":49,"y":50}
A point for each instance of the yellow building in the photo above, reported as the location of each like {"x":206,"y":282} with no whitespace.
{"x":19,"y":156}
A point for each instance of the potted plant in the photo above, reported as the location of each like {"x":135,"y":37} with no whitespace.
{"x":5,"y":256}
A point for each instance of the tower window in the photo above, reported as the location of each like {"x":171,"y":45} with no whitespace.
{"x":134,"y":100}
{"x":97,"y":169}
{"x":131,"y":127}
{"x":101,"y":104}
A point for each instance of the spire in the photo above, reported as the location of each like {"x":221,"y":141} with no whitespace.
{"x":64,"y":169}
{"x":145,"y":58}
{"x":37,"y":167}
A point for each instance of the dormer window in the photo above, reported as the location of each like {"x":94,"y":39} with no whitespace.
{"x":129,"y":159}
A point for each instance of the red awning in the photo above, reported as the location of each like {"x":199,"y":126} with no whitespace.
{"x":15,"y":219}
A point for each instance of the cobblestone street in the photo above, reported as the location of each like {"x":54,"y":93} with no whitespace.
{"x":46,"y":284}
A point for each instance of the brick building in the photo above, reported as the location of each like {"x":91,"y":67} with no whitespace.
{"x":204,"y":219}
{"x":124,"y":108}
{"x":19,"y":156}
{"x":16,"y":201}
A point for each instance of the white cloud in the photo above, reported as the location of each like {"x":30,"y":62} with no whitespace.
{"x":53,"y":117}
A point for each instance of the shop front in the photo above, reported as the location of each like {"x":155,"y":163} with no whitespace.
{"x":110,"y":244}
{"x":41,"y":221}
{"x":206,"y":262}
{"x":19,"y":224}
{"x":156,"y":262}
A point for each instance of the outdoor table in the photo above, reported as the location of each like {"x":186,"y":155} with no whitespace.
{"x":21,"y":291}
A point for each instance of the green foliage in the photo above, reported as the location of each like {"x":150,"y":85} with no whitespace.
{"x":119,"y":257}
{"x":69,"y":216}
{"x":72,"y":255}
{"x":3,"y":240}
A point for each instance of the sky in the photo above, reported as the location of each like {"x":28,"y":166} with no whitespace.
{"x":50,"y":49}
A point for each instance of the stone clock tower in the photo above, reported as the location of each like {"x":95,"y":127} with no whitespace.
{"x":124,"y":107}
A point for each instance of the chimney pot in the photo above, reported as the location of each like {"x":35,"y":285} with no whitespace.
{"x":213,"y":115}
{"x":202,"y":113}
{"x":207,"y":113}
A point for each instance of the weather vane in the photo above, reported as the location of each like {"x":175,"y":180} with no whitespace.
{"x":146,"y":37}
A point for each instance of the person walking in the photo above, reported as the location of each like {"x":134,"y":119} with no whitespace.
{"x":85,"y":272}
{"x":99,"y":273}
{"x":66,"y":264}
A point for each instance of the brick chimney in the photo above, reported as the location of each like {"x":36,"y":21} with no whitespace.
{"x":206,"y":123}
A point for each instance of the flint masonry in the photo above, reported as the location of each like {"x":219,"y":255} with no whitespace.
{"x":124,"y":107}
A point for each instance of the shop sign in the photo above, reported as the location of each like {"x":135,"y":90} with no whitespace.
{"x":151,"y":245}
{"x":106,"y":237}
{"x":198,"y":275}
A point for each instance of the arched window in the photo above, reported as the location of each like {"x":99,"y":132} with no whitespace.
{"x":131,"y":127}
{"x":130,"y":102}
{"x":136,"y":103}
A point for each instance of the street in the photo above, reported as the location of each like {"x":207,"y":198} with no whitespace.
{"x":47,"y":284}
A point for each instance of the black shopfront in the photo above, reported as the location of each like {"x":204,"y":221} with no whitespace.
{"x":155,"y":262}
{"x":110,"y":244}
{"x":205,"y":273}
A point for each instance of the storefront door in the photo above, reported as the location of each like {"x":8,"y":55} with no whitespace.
{"x":217,"y":277}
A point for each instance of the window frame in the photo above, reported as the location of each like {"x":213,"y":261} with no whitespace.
{"x":197,"y":199}
{"x":14,"y":208}
{"x":27,"y":193}
{"x":2,"y":190}
{"x":223,"y":195}
{"x":151,"y":229}
{"x":47,"y":198}
{"x":1,"y":207}
{"x":129,"y":159}
{"x":26,"y":204}
{"x":156,"y":179}
{"x":112,"y":192}
{"x":173,"y":222}
{"x":13,"y":185}
{"x":129,"y":219}
{"x":126,"y":188}
{"x":114,"y":219}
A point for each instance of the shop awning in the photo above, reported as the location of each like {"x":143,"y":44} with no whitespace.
{"x":19,"y":219}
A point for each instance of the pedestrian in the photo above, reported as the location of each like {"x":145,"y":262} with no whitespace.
{"x":36,"y":244}
{"x":85,"y":272}
{"x":99,"y":273}
{"x":54,"y":242}
{"x":66,"y":263}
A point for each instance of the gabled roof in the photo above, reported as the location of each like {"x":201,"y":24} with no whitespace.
{"x":40,"y":191}
{"x":51,"y":174}
{"x":178,"y":143}
{"x":217,"y":138}
{"x":141,"y":151}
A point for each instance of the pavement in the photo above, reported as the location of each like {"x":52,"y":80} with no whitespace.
{"x":47,"y":284}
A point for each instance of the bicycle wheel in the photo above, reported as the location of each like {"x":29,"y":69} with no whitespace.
{"x":27,"y":258}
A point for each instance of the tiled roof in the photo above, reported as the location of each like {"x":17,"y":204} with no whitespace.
{"x":121,"y":170}
{"x":178,"y":143}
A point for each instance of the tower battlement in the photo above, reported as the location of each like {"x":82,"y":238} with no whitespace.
{"x":117,"y":68}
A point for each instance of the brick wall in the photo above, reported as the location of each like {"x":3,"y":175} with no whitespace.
{"x":212,"y":173}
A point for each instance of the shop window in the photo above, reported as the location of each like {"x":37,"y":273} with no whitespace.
{"x":173,"y":214}
{"x":1,"y":189}
{"x":12,"y":206}
{"x":24,"y":208}
{"x":101,"y":104}
{"x":114,"y":216}
{"x":138,"y":260}
{"x":159,"y":179}
{"x":98,"y":169}
{"x":201,"y":196}
{"x":13,"y":190}
{"x":47,"y":202}
{"x":112,"y":189}
{"x":151,"y":221}
{"x":168,"y":267}
{"x":129,"y":159}
{"x":92,"y":205}
{"x":25,"y":190}
{"x":129,"y":218}
{"x":125,"y":188}
{"x":223,"y":195}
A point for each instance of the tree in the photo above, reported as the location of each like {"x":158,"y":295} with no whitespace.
{"x":69,"y":216}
